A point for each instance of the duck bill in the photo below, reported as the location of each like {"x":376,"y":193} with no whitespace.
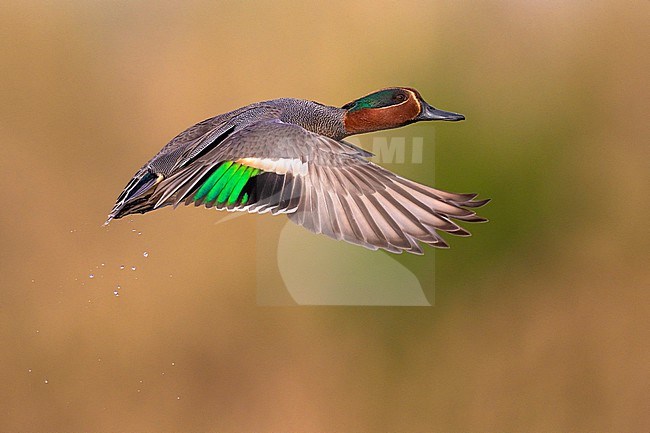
{"x":431,"y":113}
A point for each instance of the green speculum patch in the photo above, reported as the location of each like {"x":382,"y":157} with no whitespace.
{"x":226,"y":183}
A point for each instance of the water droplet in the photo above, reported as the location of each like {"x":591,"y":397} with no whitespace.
{"x":133,"y":230}
{"x":173,"y":363}
{"x":32,"y":281}
{"x":138,"y":390}
{"x":133,"y":268}
{"x":146,"y":254}
{"x":178,"y":398}
{"x":46,"y":381}
{"x":122,"y":267}
{"x":103,"y":264}
{"x":29,"y":370}
{"x":139,"y":233}
{"x":91,"y":276}
{"x":116,"y":291}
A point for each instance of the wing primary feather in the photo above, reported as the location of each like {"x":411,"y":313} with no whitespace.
{"x":268,"y":192}
{"x":356,"y":230}
{"x":314,"y":214}
{"x":340,"y":220}
{"x":283,"y":195}
{"x":347,"y":216}
{"x":295,"y":195}
{"x":387,"y":225}
{"x":371,"y":229}
{"x":395,"y":232}
{"x":327,"y":191}
{"x":324,"y":225}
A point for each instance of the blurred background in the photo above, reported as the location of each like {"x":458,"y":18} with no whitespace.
{"x":541,"y":320}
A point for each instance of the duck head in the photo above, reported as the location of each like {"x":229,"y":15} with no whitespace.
{"x":391,"y":108}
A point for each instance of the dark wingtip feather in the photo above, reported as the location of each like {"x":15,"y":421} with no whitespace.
{"x":465,"y":197}
{"x":477,"y":203}
{"x":441,"y":244}
{"x":459,"y":232}
{"x":476,"y":219}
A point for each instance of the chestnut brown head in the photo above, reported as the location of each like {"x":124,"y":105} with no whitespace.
{"x":391,"y":108}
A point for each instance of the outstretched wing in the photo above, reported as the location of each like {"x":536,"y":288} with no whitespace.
{"x":324,"y":185}
{"x":182,"y":150}
{"x":360,"y":202}
{"x":258,"y":168}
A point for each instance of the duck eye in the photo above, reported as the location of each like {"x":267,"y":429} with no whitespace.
{"x":400,"y":97}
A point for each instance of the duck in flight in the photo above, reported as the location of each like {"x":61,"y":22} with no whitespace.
{"x":288,"y":156}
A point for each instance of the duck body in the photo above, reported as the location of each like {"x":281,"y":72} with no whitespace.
{"x":289,"y":156}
